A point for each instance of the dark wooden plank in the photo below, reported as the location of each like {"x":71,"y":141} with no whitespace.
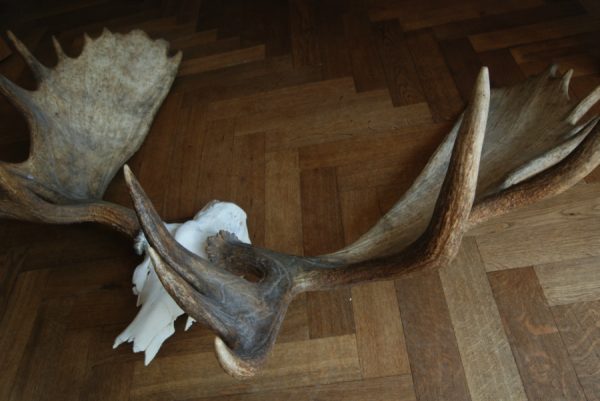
{"x":17,"y":324}
{"x":504,"y":71}
{"x":214,"y":181}
{"x":155,"y":153}
{"x":108,"y":382}
{"x":304,"y":33}
{"x":11,"y":261}
{"x":367,"y":69}
{"x":529,"y":15}
{"x":37,"y":374}
{"x":332,"y":39}
{"x":539,"y":351}
{"x":248,"y":182}
{"x":464,"y":64}
{"x":329,"y":312}
{"x":430,"y":341}
{"x":437,"y":83}
{"x":400,"y":72}
{"x":578,"y":326}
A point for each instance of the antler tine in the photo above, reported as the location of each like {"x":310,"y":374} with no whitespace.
{"x":584,"y":106}
{"x":39,"y":70}
{"x":550,"y":182}
{"x":197,"y":271}
{"x":60,"y":53}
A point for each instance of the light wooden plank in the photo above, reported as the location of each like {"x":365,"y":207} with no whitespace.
{"x":379,"y":333}
{"x":539,"y":351}
{"x":291,"y":365}
{"x":392,"y":388}
{"x":578,"y":325}
{"x":561,"y":228}
{"x":435,"y":361}
{"x":486,"y":356}
{"x":570,"y":281}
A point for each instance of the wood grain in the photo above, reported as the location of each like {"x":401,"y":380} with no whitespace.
{"x":329,"y":312}
{"x":324,"y":361}
{"x":539,"y":351}
{"x":570,"y":281}
{"x":393,"y":388}
{"x":545,"y":233}
{"x":17,"y":323}
{"x":435,"y":360}
{"x":489,"y":364}
{"x":400,"y":72}
{"x":437,"y":83}
{"x":379,"y":333}
{"x":578,"y":326}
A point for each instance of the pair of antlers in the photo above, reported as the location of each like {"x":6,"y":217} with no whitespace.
{"x":511,"y":147}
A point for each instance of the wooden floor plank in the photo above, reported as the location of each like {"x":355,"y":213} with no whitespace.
{"x":539,"y":351}
{"x":221,"y":60}
{"x":379,"y":333}
{"x":283,"y":229}
{"x":248,"y":182}
{"x":16,"y":325}
{"x":329,"y":312}
{"x":572,"y":281}
{"x":392,"y":388}
{"x":489,"y":364}
{"x":37,"y":374}
{"x":366,"y":65}
{"x":400,"y":72}
{"x":578,"y":326}
{"x":437,"y":83}
{"x":435,"y":360}
{"x":533,"y":33}
{"x":561,"y":228}
{"x":463,"y":63}
{"x":291,"y":365}
{"x":304,"y":36}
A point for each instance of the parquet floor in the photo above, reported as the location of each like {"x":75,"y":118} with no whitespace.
{"x":315,"y":116}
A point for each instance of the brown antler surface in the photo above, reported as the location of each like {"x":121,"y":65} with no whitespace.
{"x":511,"y":147}
{"x":87,"y":117}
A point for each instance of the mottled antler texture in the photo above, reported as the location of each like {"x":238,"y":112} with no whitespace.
{"x":87,"y":116}
{"x":511,"y":147}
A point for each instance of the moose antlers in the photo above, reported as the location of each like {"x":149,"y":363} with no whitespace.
{"x":87,"y":117}
{"x":512,"y":146}
{"x":535,"y":146}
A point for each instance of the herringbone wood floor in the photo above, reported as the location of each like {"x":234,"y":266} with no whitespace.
{"x":314,"y":116}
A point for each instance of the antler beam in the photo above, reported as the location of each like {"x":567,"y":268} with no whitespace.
{"x":467,"y":180}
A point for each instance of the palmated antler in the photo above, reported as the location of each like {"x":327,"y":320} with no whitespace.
{"x":87,"y":117}
{"x":535,"y":146}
